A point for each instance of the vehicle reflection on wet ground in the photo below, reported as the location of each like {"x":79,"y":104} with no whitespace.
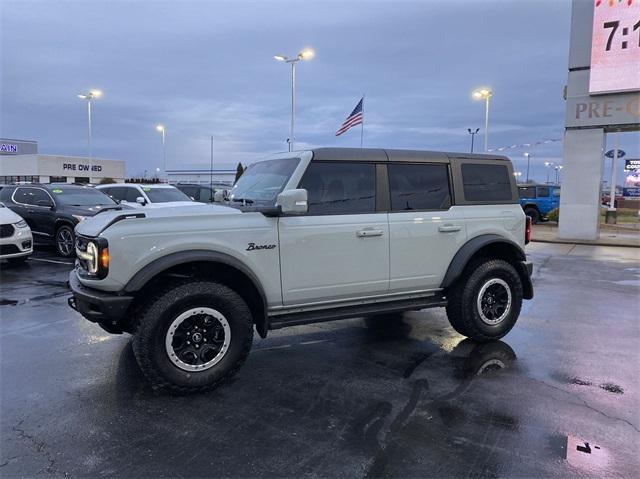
{"x":557,"y":397}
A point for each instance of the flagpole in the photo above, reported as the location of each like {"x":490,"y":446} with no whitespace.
{"x":362,"y":124}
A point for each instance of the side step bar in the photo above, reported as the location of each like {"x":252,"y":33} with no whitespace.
{"x":318,"y":316}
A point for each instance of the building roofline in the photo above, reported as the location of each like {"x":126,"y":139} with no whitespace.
{"x":21,"y":141}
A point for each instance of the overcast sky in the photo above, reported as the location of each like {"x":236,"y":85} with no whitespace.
{"x":207,"y":68}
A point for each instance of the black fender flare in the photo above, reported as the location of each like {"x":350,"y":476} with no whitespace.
{"x":512,"y":251}
{"x":150,"y":271}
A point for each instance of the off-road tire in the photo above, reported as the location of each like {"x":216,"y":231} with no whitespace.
{"x":534,"y":214}
{"x":462,"y":309}
{"x":155,"y":318}
{"x":69,"y":230}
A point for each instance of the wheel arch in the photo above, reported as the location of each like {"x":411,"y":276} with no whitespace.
{"x":491,"y":246}
{"x":206,"y":264}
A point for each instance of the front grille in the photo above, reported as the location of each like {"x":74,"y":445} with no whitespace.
{"x":8,"y":249}
{"x":6,"y":231}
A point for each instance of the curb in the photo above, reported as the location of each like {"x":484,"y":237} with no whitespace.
{"x":584,"y":243}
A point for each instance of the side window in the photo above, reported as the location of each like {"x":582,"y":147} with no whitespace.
{"x":556,"y":192}
{"x":131,"y":194}
{"x":486,"y":182}
{"x":31,"y":196}
{"x":338,"y":188}
{"x":527,"y":192}
{"x":206,"y":195}
{"x":419,"y":187}
{"x":543,"y":192}
{"x":117,"y":192}
{"x":191,"y":191}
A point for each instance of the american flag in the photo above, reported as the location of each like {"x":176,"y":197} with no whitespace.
{"x":355,"y":118}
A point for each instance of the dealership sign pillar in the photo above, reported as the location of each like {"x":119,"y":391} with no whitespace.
{"x":602,"y":96}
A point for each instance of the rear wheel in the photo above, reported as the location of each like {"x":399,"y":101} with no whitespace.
{"x":65,"y":241}
{"x":485,"y":303}
{"x":534,"y":214}
{"x":193,"y":337}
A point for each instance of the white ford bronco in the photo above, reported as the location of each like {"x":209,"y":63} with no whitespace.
{"x":305,"y":237}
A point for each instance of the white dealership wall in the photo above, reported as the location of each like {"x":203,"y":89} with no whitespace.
{"x":71,"y":167}
{"x":588,"y":119}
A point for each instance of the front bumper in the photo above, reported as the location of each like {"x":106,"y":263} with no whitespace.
{"x":109,"y":310}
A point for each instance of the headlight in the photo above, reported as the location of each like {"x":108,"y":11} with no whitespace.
{"x":94,"y":256}
{"x":79,"y":217}
{"x":21,"y":224}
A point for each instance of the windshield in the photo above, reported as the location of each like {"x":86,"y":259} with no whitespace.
{"x":81,"y":197}
{"x":263,"y":181}
{"x":165,"y":195}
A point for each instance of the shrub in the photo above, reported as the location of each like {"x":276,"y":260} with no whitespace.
{"x":554,"y":215}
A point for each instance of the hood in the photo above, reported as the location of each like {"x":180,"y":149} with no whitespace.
{"x":8,"y":217}
{"x":170,"y":204}
{"x":95,"y":225}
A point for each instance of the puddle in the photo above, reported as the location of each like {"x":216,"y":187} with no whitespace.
{"x":580,"y":382}
{"x":8,"y":302}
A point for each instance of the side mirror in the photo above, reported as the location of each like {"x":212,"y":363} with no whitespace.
{"x":293,"y":202}
{"x":141,"y":201}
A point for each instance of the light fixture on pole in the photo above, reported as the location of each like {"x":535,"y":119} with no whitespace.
{"x":162,"y":130}
{"x":473,"y":134}
{"x":528,"y":157}
{"x":306,"y":54}
{"x":484,"y":94}
{"x":548,"y":165}
{"x":517,"y":175}
{"x":89,"y":97}
{"x":557,"y":168}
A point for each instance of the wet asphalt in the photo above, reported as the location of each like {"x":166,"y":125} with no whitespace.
{"x":350,"y":398}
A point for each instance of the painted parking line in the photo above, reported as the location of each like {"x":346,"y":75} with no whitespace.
{"x":50,"y":261}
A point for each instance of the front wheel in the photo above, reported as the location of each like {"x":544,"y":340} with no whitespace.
{"x":485,"y":303}
{"x":65,"y":241}
{"x":193,"y":337}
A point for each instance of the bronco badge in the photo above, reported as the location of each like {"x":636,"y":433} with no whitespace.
{"x":253,"y":246}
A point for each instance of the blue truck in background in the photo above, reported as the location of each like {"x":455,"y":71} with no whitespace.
{"x":538,"y":200}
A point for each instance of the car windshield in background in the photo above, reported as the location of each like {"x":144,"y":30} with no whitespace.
{"x":263,"y":181}
{"x":165,"y":195}
{"x":80,"y":197}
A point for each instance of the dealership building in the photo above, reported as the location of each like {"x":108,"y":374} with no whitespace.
{"x":20,"y":161}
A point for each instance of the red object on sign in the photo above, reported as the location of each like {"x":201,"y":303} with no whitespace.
{"x":615,"y":47}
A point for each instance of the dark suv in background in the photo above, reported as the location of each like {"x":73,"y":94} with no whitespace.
{"x":53,"y":210}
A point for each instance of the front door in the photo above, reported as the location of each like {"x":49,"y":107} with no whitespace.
{"x":425,"y":230}
{"x":340,"y":248}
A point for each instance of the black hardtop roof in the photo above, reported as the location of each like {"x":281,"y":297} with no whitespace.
{"x":379,"y":154}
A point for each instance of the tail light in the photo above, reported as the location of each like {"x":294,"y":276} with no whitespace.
{"x":527,"y":231}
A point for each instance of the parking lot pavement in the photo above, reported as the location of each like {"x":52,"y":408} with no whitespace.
{"x":347,"y":398}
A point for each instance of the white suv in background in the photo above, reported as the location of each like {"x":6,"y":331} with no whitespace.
{"x":16,"y":242}
{"x":146,"y":196}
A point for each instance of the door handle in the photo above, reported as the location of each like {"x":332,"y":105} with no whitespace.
{"x":449,"y":228}
{"x":367,"y":232}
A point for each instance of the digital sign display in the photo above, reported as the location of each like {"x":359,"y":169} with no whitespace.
{"x":615,"y":47}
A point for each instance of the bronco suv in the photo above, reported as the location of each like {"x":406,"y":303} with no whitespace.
{"x":305,"y":237}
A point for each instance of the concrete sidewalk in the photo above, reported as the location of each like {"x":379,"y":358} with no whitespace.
{"x":610,"y":235}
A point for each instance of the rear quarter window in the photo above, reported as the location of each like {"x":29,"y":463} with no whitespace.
{"x":486,"y":182}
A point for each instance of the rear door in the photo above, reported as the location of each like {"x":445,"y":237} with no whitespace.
{"x":425,"y":229}
{"x":340,"y":248}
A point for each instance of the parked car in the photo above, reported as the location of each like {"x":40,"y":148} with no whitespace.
{"x":53,"y":210}
{"x":146,"y":196}
{"x":538,"y":200}
{"x":204,"y":193}
{"x":16,"y":242}
{"x":309,"y":236}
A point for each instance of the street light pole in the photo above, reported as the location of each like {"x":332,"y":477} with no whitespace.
{"x":484,"y":94}
{"x":473,"y":134}
{"x":162,"y":130}
{"x":548,"y":165}
{"x":528,"y":156}
{"x":306,"y":54}
{"x":91,"y":95}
